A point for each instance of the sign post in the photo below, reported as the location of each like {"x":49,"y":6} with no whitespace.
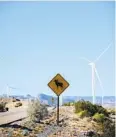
{"x":58,"y":110}
{"x":58,"y":84}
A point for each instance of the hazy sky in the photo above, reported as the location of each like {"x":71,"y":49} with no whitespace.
{"x":40,"y":39}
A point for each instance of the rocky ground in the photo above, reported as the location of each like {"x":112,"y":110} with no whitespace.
{"x":70,"y":125}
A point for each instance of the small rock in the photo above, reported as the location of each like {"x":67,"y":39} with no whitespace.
{"x":9,"y":134}
{"x":25,"y":132}
{"x":90,"y":133}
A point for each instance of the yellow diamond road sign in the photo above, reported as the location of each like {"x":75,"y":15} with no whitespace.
{"x":58,"y":84}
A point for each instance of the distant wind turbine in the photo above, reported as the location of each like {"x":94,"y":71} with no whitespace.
{"x":61,"y":100}
{"x":9,"y":90}
{"x":95,"y":73}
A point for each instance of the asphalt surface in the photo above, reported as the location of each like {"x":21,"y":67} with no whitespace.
{"x":14,"y":114}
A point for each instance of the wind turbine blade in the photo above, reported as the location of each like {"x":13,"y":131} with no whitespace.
{"x":85,"y":59}
{"x":100,"y":83}
{"x":99,"y":78}
{"x":102,"y":53}
{"x":13,"y":88}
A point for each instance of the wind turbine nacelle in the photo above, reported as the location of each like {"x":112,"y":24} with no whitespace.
{"x":92,"y":64}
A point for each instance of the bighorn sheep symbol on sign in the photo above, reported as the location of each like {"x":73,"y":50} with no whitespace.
{"x":58,"y":84}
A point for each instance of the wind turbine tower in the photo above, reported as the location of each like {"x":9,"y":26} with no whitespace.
{"x":95,"y":74}
{"x":61,"y":100}
{"x":9,"y":90}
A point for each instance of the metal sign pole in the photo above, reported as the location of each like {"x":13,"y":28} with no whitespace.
{"x":58,"y":110}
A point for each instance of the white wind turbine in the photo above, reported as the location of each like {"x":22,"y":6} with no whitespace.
{"x":9,"y":90}
{"x":95,"y":73}
{"x":61,"y":100}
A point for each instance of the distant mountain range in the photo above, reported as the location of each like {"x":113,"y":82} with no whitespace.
{"x":107,"y":99}
{"x":47,"y":99}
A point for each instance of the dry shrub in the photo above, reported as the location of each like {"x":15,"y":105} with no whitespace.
{"x":36,"y":111}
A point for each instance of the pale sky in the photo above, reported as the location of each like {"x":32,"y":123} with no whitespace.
{"x":40,"y":39}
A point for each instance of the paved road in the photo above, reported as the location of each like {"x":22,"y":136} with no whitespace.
{"x":14,"y":114}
